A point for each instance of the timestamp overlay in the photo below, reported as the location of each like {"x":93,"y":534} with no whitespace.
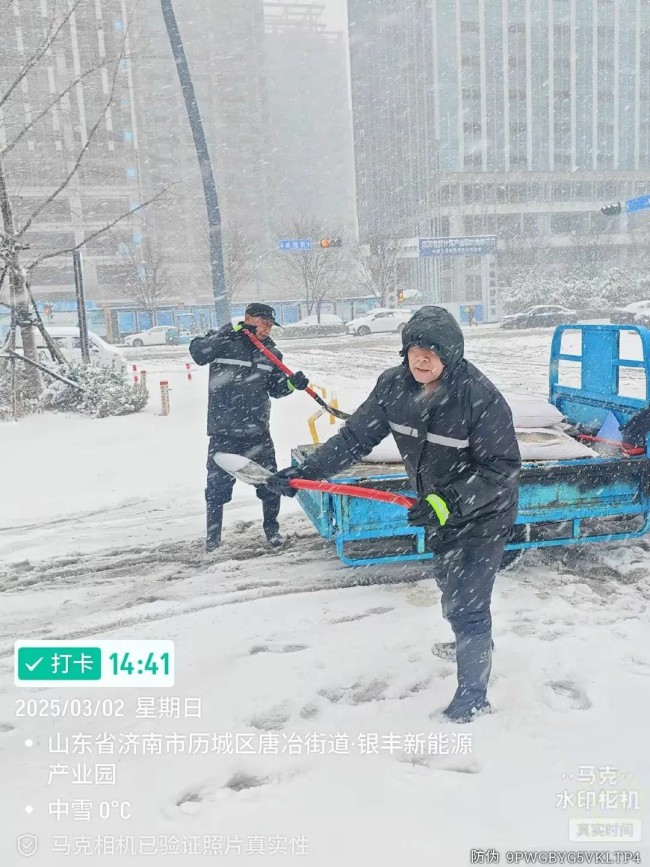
{"x":90,"y":764}
{"x":104,"y":664}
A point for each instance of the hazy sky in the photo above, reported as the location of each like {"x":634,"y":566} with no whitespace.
{"x":336,"y":11}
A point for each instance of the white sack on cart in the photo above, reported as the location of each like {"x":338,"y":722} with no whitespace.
{"x":385,"y":453}
{"x":535,"y":444}
{"x":532,"y":412}
{"x":542,"y":444}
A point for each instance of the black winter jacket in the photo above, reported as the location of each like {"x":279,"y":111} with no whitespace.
{"x":241,"y":381}
{"x":458,"y":442}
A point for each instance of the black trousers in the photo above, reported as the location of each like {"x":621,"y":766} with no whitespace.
{"x":220,"y":484}
{"x":465,"y":574}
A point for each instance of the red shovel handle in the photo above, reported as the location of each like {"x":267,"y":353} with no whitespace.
{"x":353,"y":491}
{"x":338,"y":413}
{"x":274,"y":358}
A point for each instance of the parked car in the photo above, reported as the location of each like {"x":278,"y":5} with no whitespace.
{"x":638,"y":312}
{"x":160,"y":335}
{"x":380,"y":319}
{"x":102,"y":354}
{"x":541,"y":316}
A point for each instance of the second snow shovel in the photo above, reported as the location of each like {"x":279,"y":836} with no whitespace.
{"x":338,"y":413}
{"x":248,"y":471}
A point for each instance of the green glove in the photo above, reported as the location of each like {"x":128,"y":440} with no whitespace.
{"x":429,"y":511}
{"x":244,"y":326}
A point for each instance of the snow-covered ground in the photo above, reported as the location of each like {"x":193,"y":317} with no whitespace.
{"x":327,"y":669}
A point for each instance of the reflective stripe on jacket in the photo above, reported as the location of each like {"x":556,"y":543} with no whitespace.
{"x":458,"y":442}
{"x":241,"y":381}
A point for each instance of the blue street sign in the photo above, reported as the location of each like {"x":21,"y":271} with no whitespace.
{"x":479,"y":245}
{"x":296,"y":244}
{"x":640,"y":203}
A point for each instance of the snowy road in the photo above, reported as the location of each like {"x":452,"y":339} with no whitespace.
{"x":293,"y":648}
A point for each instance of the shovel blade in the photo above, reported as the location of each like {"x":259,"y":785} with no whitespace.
{"x":242,"y":468}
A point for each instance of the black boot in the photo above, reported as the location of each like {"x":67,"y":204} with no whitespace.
{"x":270,"y":510}
{"x":214,"y":520}
{"x":474,"y":663}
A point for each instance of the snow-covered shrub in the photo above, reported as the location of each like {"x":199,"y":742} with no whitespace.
{"x":613,"y":285}
{"x":105,"y":393}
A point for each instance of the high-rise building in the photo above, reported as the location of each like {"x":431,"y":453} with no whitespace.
{"x":310,"y":119}
{"x":68,"y":134}
{"x":514,"y":117}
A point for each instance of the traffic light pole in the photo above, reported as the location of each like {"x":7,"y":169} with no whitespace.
{"x":638,"y":203}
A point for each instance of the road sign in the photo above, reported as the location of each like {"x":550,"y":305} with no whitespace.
{"x":640,"y":203}
{"x":478,"y":245}
{"x":295,"y":244}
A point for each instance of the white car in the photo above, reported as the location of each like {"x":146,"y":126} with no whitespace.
{"x":102,"y":354}
{"x":156,"y":336}
{"x":380,"y":319}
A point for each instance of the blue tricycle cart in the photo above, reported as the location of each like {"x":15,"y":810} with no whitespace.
{"x":565,"y":502}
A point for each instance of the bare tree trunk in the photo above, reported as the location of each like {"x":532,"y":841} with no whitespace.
{"x":54,"y":350}
{"x":18,"y":288}
{"x":308,"y":299}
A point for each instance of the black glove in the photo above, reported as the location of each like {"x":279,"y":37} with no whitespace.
{"x":430,"y":511}
{"x":279,"y":483}
{"x":298,"y":380}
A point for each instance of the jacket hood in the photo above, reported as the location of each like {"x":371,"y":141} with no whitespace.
{"x":435,"y":328}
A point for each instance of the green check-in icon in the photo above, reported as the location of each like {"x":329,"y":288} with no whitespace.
{"x":59,"y":663}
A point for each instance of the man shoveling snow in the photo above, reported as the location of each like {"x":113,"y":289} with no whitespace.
{"x":241,"y":383}
{"x":455,"y":433}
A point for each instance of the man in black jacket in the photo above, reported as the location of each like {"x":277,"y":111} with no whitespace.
{"x":455,"y":433}
{"x":241,"y":381}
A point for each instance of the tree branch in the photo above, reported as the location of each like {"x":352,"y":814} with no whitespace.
{"x":6,"y":7}
{"x":144,"y":280}
{"x":48,"y":108}
{"x":80,"y":156}
{"x":101,"y":231}
{"x":50,"y":38}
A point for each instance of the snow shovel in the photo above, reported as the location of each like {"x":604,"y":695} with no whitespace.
{"x":310,"y":391}
{"x":248,"y":471}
